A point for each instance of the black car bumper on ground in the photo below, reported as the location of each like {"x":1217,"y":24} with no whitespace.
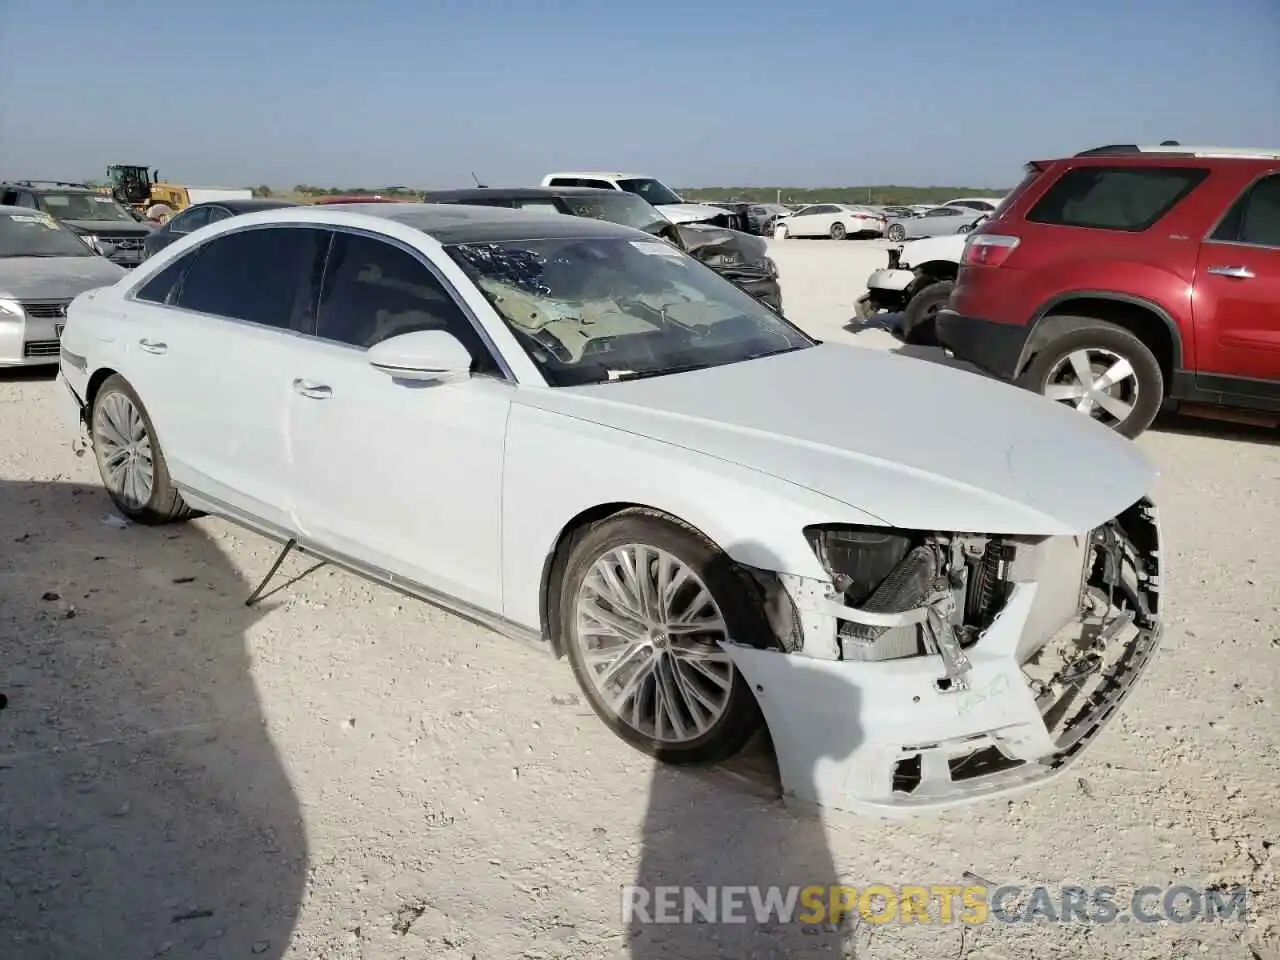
{"x":993,"y":347}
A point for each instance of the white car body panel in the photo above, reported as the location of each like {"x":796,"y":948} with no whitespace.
{"x":459,"y":491}
{"x":947,"y":249}
{"x":423,"y":480}
{"x":210,"y":194}
{"x":802,"y":224}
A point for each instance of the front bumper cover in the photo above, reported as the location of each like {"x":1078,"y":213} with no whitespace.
{"x":881,"y":738}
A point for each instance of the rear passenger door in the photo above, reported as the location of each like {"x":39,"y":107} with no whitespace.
{"x":212,"y":350}
{"x":404,"y":477}
{"x":1236,"y":307}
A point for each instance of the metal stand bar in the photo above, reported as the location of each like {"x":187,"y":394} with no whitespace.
{"x":284,"y":552}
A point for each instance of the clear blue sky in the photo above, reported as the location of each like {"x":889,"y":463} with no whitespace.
{"x":704,"y":92}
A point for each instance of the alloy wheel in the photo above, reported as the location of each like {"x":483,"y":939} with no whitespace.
{"x":649,"y":631}
{"x":1096,"y":382}
{"x":124,"y":450}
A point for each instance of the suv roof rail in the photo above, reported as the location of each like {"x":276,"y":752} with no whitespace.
{"x":1175,"y":149}
{"x":49,"y":183}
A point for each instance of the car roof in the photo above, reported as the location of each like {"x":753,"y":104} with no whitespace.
{"x":459,"y":223}
{"x":605,"y":174}
{"x":247,"y":206}
{"x":520,"y":193}
{"x":50,"y":186}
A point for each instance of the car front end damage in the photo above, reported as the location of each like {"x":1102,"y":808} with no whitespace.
{"x":889,"y":288}
{"x":936,"y":669}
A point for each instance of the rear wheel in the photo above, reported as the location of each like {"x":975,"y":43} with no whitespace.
{"x":919,"y":326}
{"x":645,"y":604}
{"x":130,"y":460}
{"x":897,"y":232}
{"x":838,"y":231}
{"x":1102,"y":371}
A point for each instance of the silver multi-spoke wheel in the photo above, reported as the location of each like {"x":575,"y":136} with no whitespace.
{"x":1096,"y":382}
{"x":124,"y":451}
{"x":648,"y":633}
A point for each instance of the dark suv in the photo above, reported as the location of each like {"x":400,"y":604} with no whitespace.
{"x":97,"y":218}
{"x":1126,"y":278}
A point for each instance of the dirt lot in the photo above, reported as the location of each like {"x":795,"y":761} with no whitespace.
{"x":345,"y":774}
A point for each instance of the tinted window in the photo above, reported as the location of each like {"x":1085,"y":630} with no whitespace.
{"x":374,"y":290}
{"x":258,"y":275}
{"x":218,"y":213}
{"x":158,"y":288}
{"x":1256,"y":216}
{"x":1115,"y":198}
{"x":189,"y":220}
{"x":945,"y":212}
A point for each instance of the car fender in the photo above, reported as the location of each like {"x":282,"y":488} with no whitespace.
{"x":558,"y":468}
{"x":1054,"y":304}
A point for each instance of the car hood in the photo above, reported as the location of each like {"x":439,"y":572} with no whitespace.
{"x":119,"y":228}
{"x":704,"y":241}
{"x":949,"y":248}
{"x":916,"y":444}
{"x":55,"y":278}
{"x":690,"y":212}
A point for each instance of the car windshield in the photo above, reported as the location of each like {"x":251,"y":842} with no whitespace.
{"x":36,"y":235}
{"x":654,"y":191}
{"x":623,"y":208}
{"x":592,"y":310}
{"x":85,"y":206}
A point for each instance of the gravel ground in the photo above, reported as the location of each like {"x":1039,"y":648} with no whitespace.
{"x":345,"y":774}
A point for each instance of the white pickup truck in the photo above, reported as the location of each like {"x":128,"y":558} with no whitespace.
{"x":916,"y":283}
{"x":668,"y":203}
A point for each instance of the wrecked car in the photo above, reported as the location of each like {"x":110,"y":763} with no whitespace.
{"x":584,"y":438}
{"x":737,"y":256}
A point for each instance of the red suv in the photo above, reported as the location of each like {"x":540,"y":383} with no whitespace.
{"x":1127,"y":277}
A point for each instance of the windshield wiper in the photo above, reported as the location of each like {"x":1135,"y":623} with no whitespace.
{"x":661,"y":371}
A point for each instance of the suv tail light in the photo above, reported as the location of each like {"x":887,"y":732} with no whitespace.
{"x":988,"y":250}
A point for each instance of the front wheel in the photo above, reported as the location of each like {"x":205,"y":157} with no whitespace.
{"x":920,"y":325}
{"x":838,"y":231}
{"x":1102,"y":371}
{"x":645,"y":604}
{"x":130,"y":460}
{"x":897,"y":233}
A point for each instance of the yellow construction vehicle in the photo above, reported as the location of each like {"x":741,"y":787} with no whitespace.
{"x":141,"y":187}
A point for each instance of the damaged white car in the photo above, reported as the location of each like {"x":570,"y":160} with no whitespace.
{"x":579,"y":435}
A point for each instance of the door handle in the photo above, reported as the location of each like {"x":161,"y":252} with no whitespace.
{"x":316,"y":391}
{"x":151,"y":346}
{"x":1239,"y":273}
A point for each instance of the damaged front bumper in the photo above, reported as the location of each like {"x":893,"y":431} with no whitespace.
{"x":975,"y":714}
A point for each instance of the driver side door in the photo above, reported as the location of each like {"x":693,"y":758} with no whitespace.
{"x":403,"y":477}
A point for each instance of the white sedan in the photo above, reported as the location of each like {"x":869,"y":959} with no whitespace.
{"x":577,"y":434}
{"x":834,"y":220}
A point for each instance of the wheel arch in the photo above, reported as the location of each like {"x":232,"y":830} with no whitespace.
{"x":1145,"y":319}
{"x":936,"y":271}
{"x":96,"y":380}
{"x":554,"y":564}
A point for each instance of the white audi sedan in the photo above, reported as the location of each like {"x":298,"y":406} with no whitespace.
{"x":932,"y":587}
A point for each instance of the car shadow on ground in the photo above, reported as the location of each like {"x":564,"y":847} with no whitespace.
{"x":721,"y":833}
{"x":144,"y":811}
{"x":39,"y":374}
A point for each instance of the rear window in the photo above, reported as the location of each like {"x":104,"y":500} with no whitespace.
{"x":1126,"y":198}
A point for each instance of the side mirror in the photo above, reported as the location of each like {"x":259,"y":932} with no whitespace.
{"x":421,"y":355}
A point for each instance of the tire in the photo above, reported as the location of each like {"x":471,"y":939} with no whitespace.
{"x":736,"y":717}
{"x":1052,"y":373}
{"x":965,"y":228}
{"x":897,"y":232}
{"x":121,"y":428}
{"x":838,"y":231}
{"x":919,"y":325}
